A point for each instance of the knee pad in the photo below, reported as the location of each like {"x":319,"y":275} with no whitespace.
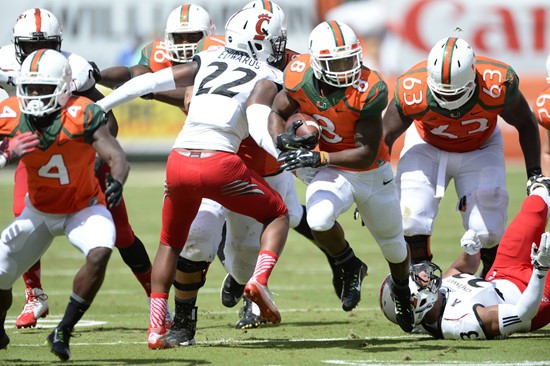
{"x":321,"y":215}
{"x":187,"y":266}
{"x":485,"y":212}
{"x":394,"y":250}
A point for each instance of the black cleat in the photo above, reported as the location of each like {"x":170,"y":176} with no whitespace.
{"x":231,"y":292}
{"x":351,"y":286}
{"x":250,"y":316}
{"x":59,"y":342}
{"x":4,"y":341}
{"x":403,"y":308}
{"x":183,"y":330}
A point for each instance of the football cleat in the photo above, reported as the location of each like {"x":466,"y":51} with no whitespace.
{"x":261,"y":295}
{"x":351,"y":289}
{"x":59,"y":342}
{"x":250,"y":316}
{"x":36,"y":306}
{"x":404,"y":314}
{"x":183,"y":330}
{"x":231,"y":291}
{"x":4,"y":341}
{"x":156,"y":338}
{"x":169,"y":317}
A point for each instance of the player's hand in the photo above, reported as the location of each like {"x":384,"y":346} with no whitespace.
{"x":7,"y":77}
{"x":113,"y":191}
{"x":540,"y":257}
{"x":470,"y":242}
{"x":301,"y":158}
{"x":288,"y":140}
{"x":18,"y":146}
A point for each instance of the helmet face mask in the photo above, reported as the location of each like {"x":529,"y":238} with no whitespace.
{"x":336,"y":55}
{"x":43,"y":85}
{"x":257,"y":33}
{"x":424,"y":283}
{"x":36,"y":29}
{"x":451,"y":72}
{"x":186,"y":26}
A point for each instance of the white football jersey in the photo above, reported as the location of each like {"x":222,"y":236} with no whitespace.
{"x":464,"y":293}
{"x":216,"y":119}
{"x":81,"y":69}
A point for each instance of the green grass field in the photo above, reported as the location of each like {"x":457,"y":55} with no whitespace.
{"x":314,"y":330}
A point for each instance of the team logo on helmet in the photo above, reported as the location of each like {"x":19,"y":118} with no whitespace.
{"x":262,"y":32}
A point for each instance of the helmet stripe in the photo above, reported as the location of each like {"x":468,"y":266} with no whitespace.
{"x":267,"y":5}
{"x":38,"y":19}
{"x":337,"y":33}
{"x":447,"y":60}
{"x":36,"y":60}
{"x":184,"y":13}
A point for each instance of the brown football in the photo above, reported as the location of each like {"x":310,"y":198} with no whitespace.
{"x":308,"y":126}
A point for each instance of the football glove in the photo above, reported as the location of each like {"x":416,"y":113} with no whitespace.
{"x":95,"y":73}
{"x":540,"y":257}
{"x":470,"y":242}
{"x":288,"y":140}
{"x":113,"y":191}
{"x":18,"y":146}
{"x":537,"y":181}
{"x":301,"y":158}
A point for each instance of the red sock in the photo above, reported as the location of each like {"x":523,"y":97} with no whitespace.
{"x":264,"y":266}
{"x":159,"y":304}
{"x":145,"y":280}
{"x":32,"y":277}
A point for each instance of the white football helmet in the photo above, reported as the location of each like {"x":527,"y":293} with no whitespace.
{"x":424,"y":282}
{"x":44,"y":67}
{"x":336,"y":55}
{"x":273,"y":8}
{"x":35,"y":29}
{"x":451,"y":72}
{"x":186,"y":26}
{"x":258,"y":33}
{"x":548,"y":69}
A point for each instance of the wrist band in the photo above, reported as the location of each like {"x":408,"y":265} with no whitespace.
{"x":325,"y":158}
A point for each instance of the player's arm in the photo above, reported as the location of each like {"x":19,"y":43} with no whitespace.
{"x":117,"y":75}
{"x":394,"y":124}
{"x":518,"y":113}
{"x":174,"y":97}
{"x":258,"y":108}
{"x":96,"y":95}
{"x":465,"y":263}
{"x":110,"y":151}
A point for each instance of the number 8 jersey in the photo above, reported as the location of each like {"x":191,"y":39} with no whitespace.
{"x":468,"y":127}
{"x":216,"y":119}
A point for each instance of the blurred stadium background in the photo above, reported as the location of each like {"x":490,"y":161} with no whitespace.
{"x":395,"y":34}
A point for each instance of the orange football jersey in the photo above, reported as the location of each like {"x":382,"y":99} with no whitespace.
{"x":468,"y":127}
{"x":60,"y":171}
{"x":153,"y":56}
{"x":542,"y":108}
{"x":339,"y":112}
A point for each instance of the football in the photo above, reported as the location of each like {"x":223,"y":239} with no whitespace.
{"x":308,"y":126}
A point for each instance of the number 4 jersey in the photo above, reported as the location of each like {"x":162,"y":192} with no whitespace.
{"x":216,"y":119}
{"x":60,"y":171}
{"x":468,"y":127}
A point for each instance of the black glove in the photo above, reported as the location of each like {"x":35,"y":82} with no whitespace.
{"x":95,"y":72}
{"x":113,"y":191}
{"x":301,"y":158}
{"x":148,"y":96}
{"x":289,"y":141}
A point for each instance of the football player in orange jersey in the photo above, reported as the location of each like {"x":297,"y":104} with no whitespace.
{"x":542,"y":113}
{"x":39,"y":29}
{"x":64,"y":195}
{"x":347,"y":99}
{"x":454,"y":99}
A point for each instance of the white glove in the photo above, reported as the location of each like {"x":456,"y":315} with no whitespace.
{"x":470,"y":242}
{"x":540,"y":257}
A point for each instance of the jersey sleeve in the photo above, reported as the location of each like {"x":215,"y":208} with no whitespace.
{"x":94,"y":117}
{"x":376,"y":100}
{"x":541,"y":108}
{"x":511,"y":84}
{"x":145,"y":58}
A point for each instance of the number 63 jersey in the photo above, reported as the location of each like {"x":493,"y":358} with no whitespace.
{"x":216,"y":119}
{"x":464,"y":294}
{"x":60,"y":170}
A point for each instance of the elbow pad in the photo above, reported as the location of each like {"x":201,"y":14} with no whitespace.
{"x":257,"y":116}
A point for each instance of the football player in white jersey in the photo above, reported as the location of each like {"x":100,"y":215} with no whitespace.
{"x":513,"y":298}
{"x":36,"y":29}
{"x":203,"y":162}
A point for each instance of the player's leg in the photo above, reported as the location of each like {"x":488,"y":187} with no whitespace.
{"x":199,"y":251}
{"x":36,"y":301}
{"x":327,"y":197}
{"x":92,"y":231}
{"x":480,"y":183}
{"x":182,"y":198}
{"x":380,"y":211}
{"x":21,"y":244}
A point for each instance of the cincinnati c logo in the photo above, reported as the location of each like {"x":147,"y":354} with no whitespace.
{"x":260,"y":32}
